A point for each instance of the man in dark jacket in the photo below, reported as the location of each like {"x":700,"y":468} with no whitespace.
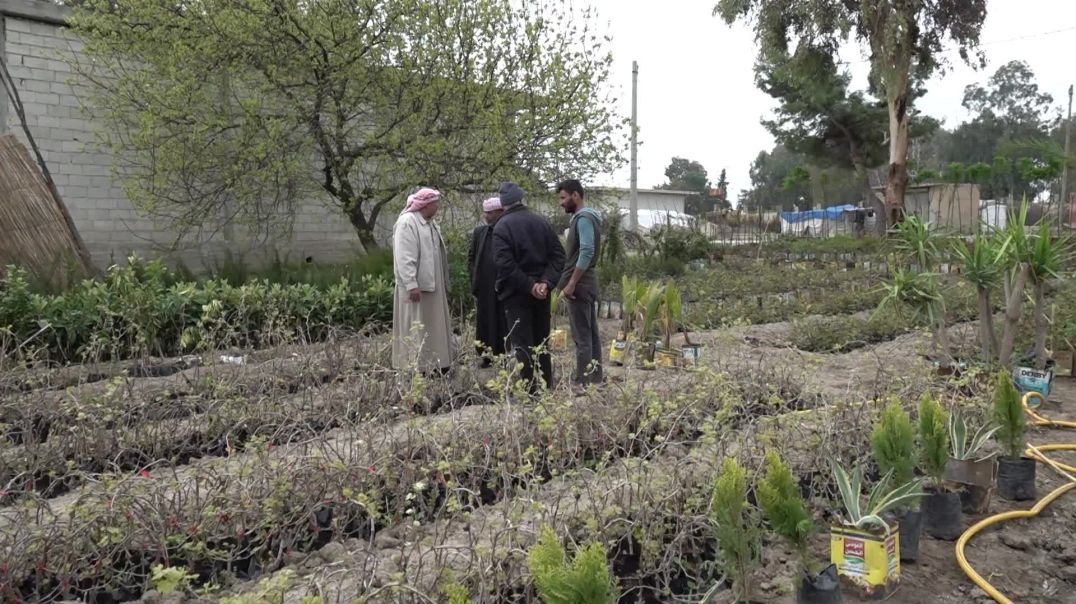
{"x":579,"y":282}
{"x":490,"y":327}
{"x":529,"y":260}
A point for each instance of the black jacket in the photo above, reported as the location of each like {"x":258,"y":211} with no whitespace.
{"x":526,"y":251}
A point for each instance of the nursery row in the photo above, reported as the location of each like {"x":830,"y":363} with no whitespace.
{"x":241,"y":513}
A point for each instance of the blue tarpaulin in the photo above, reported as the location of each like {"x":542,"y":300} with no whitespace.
{"x":831,"y":213}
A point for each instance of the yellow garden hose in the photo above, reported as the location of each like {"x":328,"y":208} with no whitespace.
{"x":1035,"y":453}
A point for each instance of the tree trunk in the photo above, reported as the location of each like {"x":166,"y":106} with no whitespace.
{"x":986,"y":325}
{"x":1012,"y":314}
{"x":1041,"y":326}
{"x":941,"y":337}
{"x":363,"y":227}
{"x":897,"y":183}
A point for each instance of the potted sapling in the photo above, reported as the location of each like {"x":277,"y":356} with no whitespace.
{"x":651,"y":297}
{"x":669,"y":314}
{"x":783,"y":507}
{"x":558,"y":338}
{"x":941,"y":506}
{"x":893,"y":447}
{"x":1016,"y":473}
{"x":629,"y":300}
{"x":736,"y":527}
{"x":968,"y":466}
{"x":864,"y":545}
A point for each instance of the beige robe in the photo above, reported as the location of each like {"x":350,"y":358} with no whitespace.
{"x":421,"y":331}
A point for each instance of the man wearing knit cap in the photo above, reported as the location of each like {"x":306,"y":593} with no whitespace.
{"x":490,"y":328}
{"x":529,"y":258}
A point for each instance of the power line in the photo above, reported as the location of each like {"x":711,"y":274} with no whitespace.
{"x":991,"y":43}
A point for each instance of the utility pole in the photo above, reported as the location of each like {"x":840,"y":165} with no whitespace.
{"x":1065,"y":169}
{"x":633,"y":217}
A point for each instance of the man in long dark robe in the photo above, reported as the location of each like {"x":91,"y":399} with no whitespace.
{"x":490,"y":324}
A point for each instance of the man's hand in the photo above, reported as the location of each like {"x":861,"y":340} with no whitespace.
{"x":540,"y":291}
{"x":415,"y":295}
{"x":569,"y":291}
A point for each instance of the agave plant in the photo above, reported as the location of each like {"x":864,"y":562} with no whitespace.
{"x":958,"y":437}
{"x":880,"y":500}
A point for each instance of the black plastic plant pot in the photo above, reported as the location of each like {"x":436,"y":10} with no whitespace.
{"x":910,"y":527}
{"x":941,"y":515}
{"x":822,"y":589}
{"x":1016,"y":479}
{"x":976,"y":478}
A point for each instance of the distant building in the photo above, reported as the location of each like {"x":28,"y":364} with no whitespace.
{"x":953,"y":207}
{"x":660,"y":200}
{"x":657,"y":207}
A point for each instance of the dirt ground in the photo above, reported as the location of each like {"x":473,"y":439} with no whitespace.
{"x":1031,"y":561}
{"x":1028,"y":560}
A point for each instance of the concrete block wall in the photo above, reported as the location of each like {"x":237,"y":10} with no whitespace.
{"x":38,"y":51}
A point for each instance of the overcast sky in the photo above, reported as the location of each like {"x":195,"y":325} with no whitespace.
{"x":697,"y":97}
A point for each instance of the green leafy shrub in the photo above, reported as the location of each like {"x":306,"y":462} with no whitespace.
{"x":933,"y":438}
{"x":142,"y":309}
{"x":736,"y":527}
{"x":1009,"y":415}
{"x":587,"y":580}
{"x":784,"y":508}
{"x":893,"y":443}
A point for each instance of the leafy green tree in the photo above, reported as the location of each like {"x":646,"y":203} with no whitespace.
{"x":689,"y":175}
{"x":686,"y":175}
{"x":905,"y":38}
{"x":1008,"y":134}
{"x":821,"y":118}
{"x":241,"y":107}
{"x":722,"y":199}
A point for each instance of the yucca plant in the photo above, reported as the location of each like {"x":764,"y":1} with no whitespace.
{"x":1014,"y":250}
{"x":918,"y":240}
{"x":933,"y":439}
{"x":881,"y":499}
{"x":650,"y":300}
{"x":587,"y":580}
{"x":736,"y":527}
{"x":783,"y":506}
{"x":629,"y":295}
{"x":983,"y":270}
{"x":962,"y":449}
{"x":920,"y":292}
{"x":1009,"y":415}
{"x":555,"y":297}
{"x":670,"y":313}
{"x":1044,"y":262}
{"x":893,"y":443}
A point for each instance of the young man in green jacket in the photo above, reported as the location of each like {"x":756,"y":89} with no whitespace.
{"x":579,"y":281}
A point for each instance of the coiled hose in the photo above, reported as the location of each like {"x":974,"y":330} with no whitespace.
{"x":1036,"y":453}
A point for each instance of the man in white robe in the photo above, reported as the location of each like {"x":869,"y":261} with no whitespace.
{"x":421,"y":323}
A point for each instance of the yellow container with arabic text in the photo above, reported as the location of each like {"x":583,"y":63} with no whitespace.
{"x":868,"y":562}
